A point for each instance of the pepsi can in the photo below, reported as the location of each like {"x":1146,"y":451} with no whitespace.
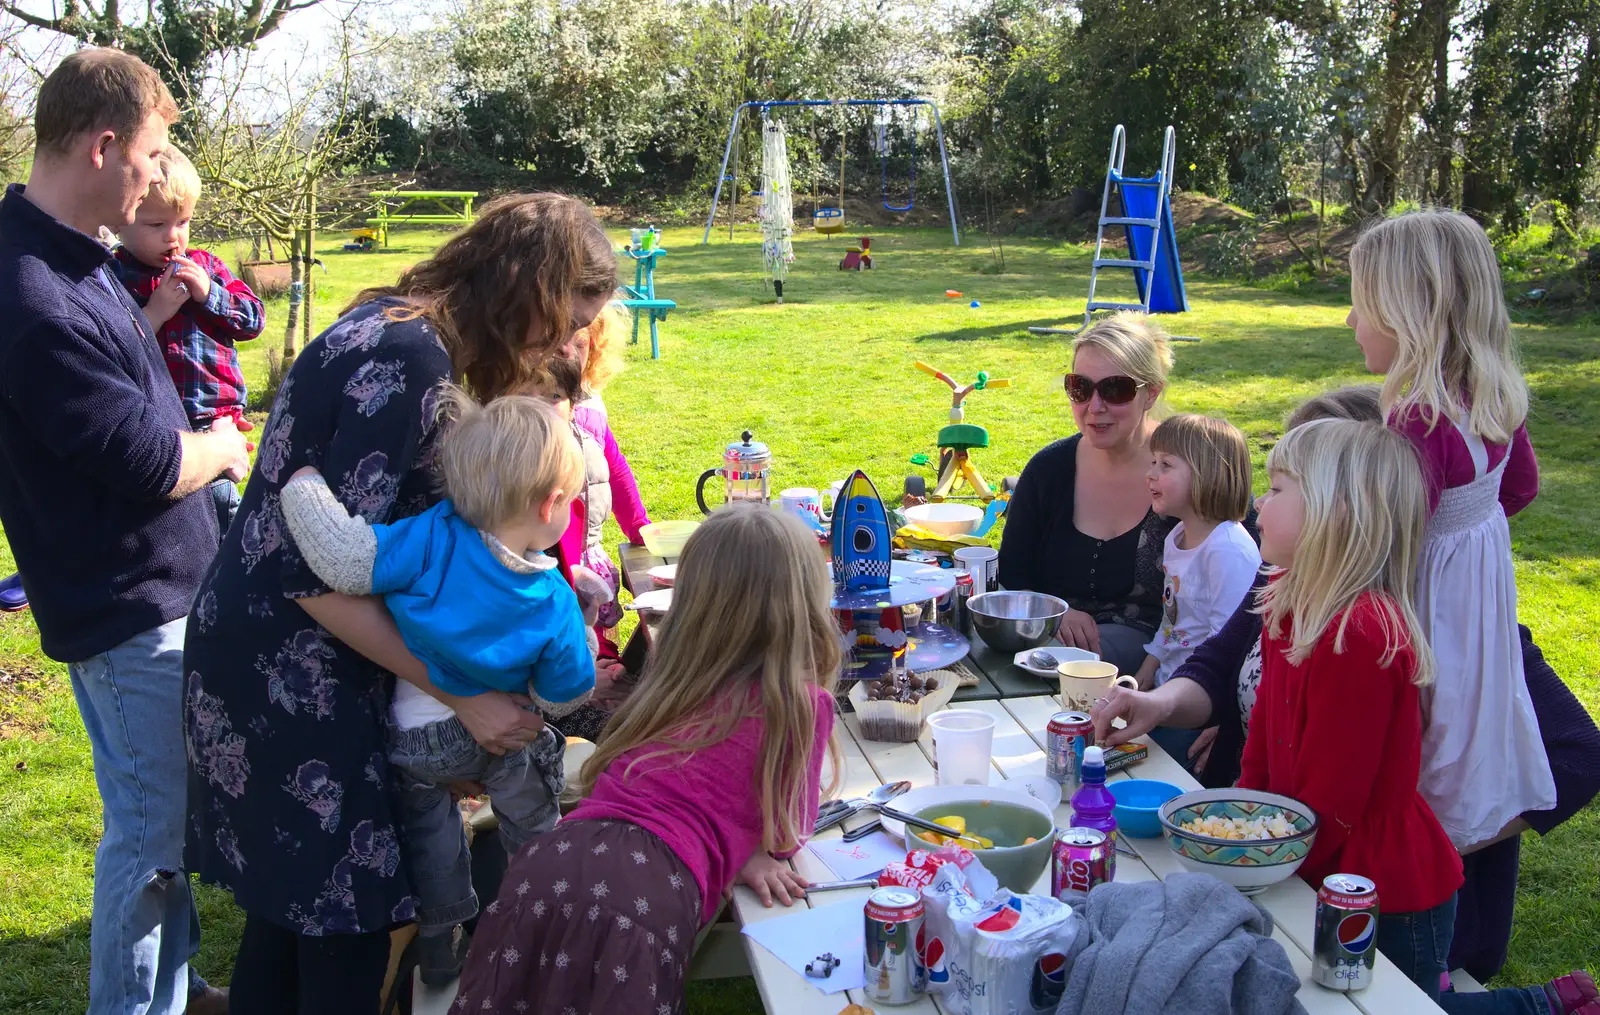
{"x":1049,"y":982}
{"x":1345,"y":943}
{"x":1081,"y":860}
{"x":895,"y":970}
{"x":1066,"y":736}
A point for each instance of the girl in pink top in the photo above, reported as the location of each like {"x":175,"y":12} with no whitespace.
{"x":708,"y":774}
{"x":610,"y":489}
{"x":1428,"y":313}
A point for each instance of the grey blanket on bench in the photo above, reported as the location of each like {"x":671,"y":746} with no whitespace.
{"x":1189,"y":945}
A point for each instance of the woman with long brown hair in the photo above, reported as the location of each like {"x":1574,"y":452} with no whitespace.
{"x":288,"y":681}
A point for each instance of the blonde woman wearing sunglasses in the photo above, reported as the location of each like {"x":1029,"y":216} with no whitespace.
{"x":1080,"y":525}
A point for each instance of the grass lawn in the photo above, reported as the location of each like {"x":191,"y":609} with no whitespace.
{"x":826,"y":380}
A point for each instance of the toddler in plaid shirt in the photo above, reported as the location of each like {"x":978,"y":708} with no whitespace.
{"x":199,"y":310}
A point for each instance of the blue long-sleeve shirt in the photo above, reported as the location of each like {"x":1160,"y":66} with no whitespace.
{"x":477,"y":624}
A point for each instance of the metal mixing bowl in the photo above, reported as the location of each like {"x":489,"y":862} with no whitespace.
{"x":1013,"y":621}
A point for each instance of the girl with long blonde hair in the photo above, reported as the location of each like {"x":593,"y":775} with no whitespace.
{"x":709,"y":773}
{"x":1337,"y":722}
{"x":1428,"y":313}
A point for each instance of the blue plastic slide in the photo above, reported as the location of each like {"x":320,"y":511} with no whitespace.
{"x":1168,"y":296}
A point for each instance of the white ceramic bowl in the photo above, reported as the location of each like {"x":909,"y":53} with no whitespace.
{"x":1251,"y":865}
{"x":946,"y":519}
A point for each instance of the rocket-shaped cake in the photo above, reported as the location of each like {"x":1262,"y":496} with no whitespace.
{"x":861,"y":538}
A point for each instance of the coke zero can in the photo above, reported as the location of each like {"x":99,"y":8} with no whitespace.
{"x":1344,"y":945}
{"x":1066,"y":736}
{"x":895,"y":970}
{"x":1079,"y":861}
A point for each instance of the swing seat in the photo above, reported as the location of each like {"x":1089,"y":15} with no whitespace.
{"x":828,"y":221}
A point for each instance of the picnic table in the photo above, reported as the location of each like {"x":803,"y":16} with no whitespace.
{"x":1021,"y":705}
{"x":399,"y":207}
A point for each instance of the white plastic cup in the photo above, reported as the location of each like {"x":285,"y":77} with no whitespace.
{"x":963,"y":743}
{"x":984,"y":563}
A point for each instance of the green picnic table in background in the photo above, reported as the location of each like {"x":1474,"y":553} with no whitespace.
{"x":396,"y":207}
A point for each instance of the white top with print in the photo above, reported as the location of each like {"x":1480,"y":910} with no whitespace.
{"x":1203,"y":588}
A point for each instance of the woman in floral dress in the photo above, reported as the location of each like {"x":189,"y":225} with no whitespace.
{"x":288,"y":682}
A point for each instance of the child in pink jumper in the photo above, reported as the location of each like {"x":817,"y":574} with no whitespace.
{"x":709,"y":774}
{"x":610,"y":489}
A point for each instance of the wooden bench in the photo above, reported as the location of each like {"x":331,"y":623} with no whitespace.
{"x":454,"y":207}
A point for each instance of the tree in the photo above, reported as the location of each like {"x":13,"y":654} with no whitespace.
{"x":267,"y":144}
{"x":176,"y":37}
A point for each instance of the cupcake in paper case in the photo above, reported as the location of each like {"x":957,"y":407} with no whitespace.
{"x":893,"y":709}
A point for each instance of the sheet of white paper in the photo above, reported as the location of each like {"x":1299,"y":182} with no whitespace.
{"x":800,"y":937}
{"x":852,"y":860}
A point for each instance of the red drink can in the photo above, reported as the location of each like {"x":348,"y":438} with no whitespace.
{"x":1066,"y":737}
{"x":895,"y":970}
{"x":1081,"y":859}
{"x":1345,"y":941}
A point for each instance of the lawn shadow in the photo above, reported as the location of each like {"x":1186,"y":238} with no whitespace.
{"x":46,"y":972}
{"x":1018,"y":329}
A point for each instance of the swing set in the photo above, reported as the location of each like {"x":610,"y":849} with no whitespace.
{"x":830,"y":220}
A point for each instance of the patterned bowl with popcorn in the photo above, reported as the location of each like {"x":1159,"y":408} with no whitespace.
{"x":1250,"y":865}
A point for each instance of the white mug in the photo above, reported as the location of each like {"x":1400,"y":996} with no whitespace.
{"x":1086,"y":681}
{"x":805,"y":504}
{"x":984,"y":564}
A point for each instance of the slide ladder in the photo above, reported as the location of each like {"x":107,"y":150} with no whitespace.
{"x":1146,"y":220}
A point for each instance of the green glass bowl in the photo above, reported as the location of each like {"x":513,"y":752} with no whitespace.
{"x":1015,"y":867}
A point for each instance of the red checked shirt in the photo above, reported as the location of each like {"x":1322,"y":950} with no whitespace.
{"x":198,"y":340}
{"x":1343,"y":735}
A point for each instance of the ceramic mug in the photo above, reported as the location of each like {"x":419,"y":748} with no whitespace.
{"x":984,"y":564}
{"x":806,"y":504}
{"x":1086,"y":681}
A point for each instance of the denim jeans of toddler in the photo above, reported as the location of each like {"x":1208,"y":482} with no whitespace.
{"x":1419,"y":946}
{"x":144,"y":927}
{"x":524,"y":789}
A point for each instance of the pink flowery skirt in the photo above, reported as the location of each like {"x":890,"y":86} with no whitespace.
{"x":593,"y":916}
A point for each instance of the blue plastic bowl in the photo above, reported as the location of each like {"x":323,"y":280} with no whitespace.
{"x":1138,"y":810}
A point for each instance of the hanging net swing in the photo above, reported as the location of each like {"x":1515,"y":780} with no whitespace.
{"x":885,"y":120}
{"x":777,"y":204}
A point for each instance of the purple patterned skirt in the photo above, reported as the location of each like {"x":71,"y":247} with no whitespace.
{"x":593,"y":916}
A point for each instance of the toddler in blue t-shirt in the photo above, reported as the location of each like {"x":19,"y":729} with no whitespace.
{"x":477,"y":600}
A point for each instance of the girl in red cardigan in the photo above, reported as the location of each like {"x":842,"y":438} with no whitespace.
{"x":1338,"y":721}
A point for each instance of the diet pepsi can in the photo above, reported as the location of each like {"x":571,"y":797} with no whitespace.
{"x":1067,"y":735}
{"x":896,"y":973}
{"x":1080,"y":860}
{"x":1344,"y":945}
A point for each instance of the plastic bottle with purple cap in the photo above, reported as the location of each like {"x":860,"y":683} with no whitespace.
{"x":1092,"y":804}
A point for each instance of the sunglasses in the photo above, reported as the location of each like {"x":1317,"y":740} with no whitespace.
{"x":1119,"y":389}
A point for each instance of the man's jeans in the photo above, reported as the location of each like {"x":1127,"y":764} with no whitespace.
{"x":145,"y":927}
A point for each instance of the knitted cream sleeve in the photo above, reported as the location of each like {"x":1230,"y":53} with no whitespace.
{"x":339,"y":548}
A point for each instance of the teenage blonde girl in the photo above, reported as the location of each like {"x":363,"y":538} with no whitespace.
{"x":1200,"y":476}
{"x":709,"y":772}
{"x":1429,"y":315}
{"x":1337,"y":722}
